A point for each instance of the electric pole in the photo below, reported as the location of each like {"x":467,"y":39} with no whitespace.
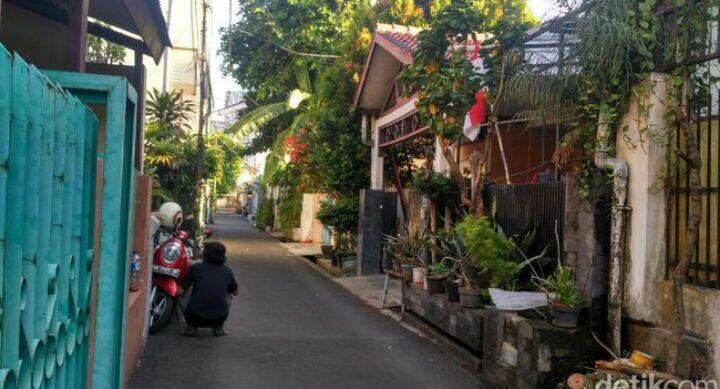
{"x":200,"y":162}
{"x":167,"y":50}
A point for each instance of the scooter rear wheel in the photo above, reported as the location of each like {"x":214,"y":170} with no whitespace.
{"x":161,"y":309}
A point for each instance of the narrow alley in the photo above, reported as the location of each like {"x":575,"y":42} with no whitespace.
{"x":291,"y":327}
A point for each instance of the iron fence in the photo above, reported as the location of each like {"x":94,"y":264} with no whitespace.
{"x":700,"y":35}
{"x":525,"y":207}
{"x":705,"y":123}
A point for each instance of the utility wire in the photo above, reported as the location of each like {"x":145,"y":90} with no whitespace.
{"x":291,"y":51}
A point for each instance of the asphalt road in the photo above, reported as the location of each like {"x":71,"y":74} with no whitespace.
{"x":291,"y":327}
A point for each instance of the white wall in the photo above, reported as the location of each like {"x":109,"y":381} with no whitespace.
{"x":646,"y":222}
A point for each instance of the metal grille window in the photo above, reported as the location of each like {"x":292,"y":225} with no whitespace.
{"x":705,"y":267}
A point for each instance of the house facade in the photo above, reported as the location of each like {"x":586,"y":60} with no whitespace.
{"x":520,"y":151}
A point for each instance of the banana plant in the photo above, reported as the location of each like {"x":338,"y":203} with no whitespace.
{"x":304,"y":102}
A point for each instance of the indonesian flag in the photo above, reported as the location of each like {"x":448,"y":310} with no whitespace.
{"x":475,"y":117}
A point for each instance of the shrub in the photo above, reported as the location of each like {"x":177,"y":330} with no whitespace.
{"x":341,"y":216}
{"x":438,"y":187}
{"x":289,"y":212}
{"x":265,"y":216}
{"x":489,"y":251}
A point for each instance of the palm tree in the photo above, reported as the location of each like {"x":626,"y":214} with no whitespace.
{"x":168,"y":147}
{"x":168,"y":113}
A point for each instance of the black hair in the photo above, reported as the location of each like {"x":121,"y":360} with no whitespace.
{"x":214,"y":252}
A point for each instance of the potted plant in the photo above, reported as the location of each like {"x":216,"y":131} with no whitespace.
{"x":452,"y":289}
{"x":486,"y":263}
{"x":436,"y":277}
{"x":327,"y":251}
{"x":451,"y":249}
{"x":565,"y":300}
{"x":406,"y":252}
{"x":341,"y":217}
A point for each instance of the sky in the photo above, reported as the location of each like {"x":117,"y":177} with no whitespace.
{"x":221,"y":16}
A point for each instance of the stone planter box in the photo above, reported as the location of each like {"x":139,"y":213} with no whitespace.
{"x":464,"y":325}
{"x":519,"y":352}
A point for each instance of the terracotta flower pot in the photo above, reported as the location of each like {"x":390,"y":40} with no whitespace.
{"x":435,"y":284}
{"x":470,"y":298}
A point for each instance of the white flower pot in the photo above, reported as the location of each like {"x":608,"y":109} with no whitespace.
{"x":419,"y":276}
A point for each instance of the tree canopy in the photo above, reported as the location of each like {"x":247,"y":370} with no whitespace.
{"x":329,"y":39}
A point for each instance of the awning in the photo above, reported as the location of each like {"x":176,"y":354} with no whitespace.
{"x":139,"y":18}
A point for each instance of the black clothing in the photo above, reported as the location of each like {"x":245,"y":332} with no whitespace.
{"x":199,"y":321}
{"x":211,"y":282}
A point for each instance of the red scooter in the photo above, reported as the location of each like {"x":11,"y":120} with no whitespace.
{"x":171,"y":261}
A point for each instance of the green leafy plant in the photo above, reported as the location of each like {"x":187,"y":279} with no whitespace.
{"x":561,"y":288}
{"x":445,"y":81}
{"x":442,"y":269}
{"x":289,"y":211}
{"x":407,"y":248}
{"x":488,"y":251}
{"x":340,"y":215}
{"x":100,"y":50}
{"x":167,"y":113}
{"x":438,"y":187}
{"x":265,"y":216}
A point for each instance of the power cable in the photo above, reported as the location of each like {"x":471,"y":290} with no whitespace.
{"x":291,"y":51}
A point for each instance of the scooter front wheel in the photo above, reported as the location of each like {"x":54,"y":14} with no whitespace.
{"x":161,"y":309}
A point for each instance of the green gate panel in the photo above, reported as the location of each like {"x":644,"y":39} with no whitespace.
{"x":117,"y":226}
{"x":47,"y":181}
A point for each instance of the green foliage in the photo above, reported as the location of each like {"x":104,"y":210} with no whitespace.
{"x":223,"y":161}
{"x":407,"y":248}
{"x":167,"y":113}
{"x":265,"y":216}
{"x":446,"y":87}
{"x":170,"y":162}
{"x":441,"y":269}
{"x":262,"y":50}
{"x":562,"y":288}
{"x":615,"y":48}
{"x":438,"y":187}
{"x":102,"y":51}
{"x":170,"y":152}
{"x":255,"y":119}
{"x":487,"y":250}
{"x":339,"y":162}
{"x":266,"y":53}
{"x":341,"y":215}
{"x":289,"y":212}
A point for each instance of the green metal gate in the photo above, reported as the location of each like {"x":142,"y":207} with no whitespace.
{"x":46,"y":224}
{"x":48,"y":167}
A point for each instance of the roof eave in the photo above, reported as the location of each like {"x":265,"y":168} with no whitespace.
{"x":151,"y":24}
{"x":404,"y":57}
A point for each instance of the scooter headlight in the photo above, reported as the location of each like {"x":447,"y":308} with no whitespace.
{"x":171,"y":252}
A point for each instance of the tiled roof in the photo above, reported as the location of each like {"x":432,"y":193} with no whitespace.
{"x":407,"y":41}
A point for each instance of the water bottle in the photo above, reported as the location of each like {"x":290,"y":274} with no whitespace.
{"x":135,"y":266}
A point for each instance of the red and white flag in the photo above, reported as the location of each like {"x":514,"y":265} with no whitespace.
{"x":475,"y":117}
